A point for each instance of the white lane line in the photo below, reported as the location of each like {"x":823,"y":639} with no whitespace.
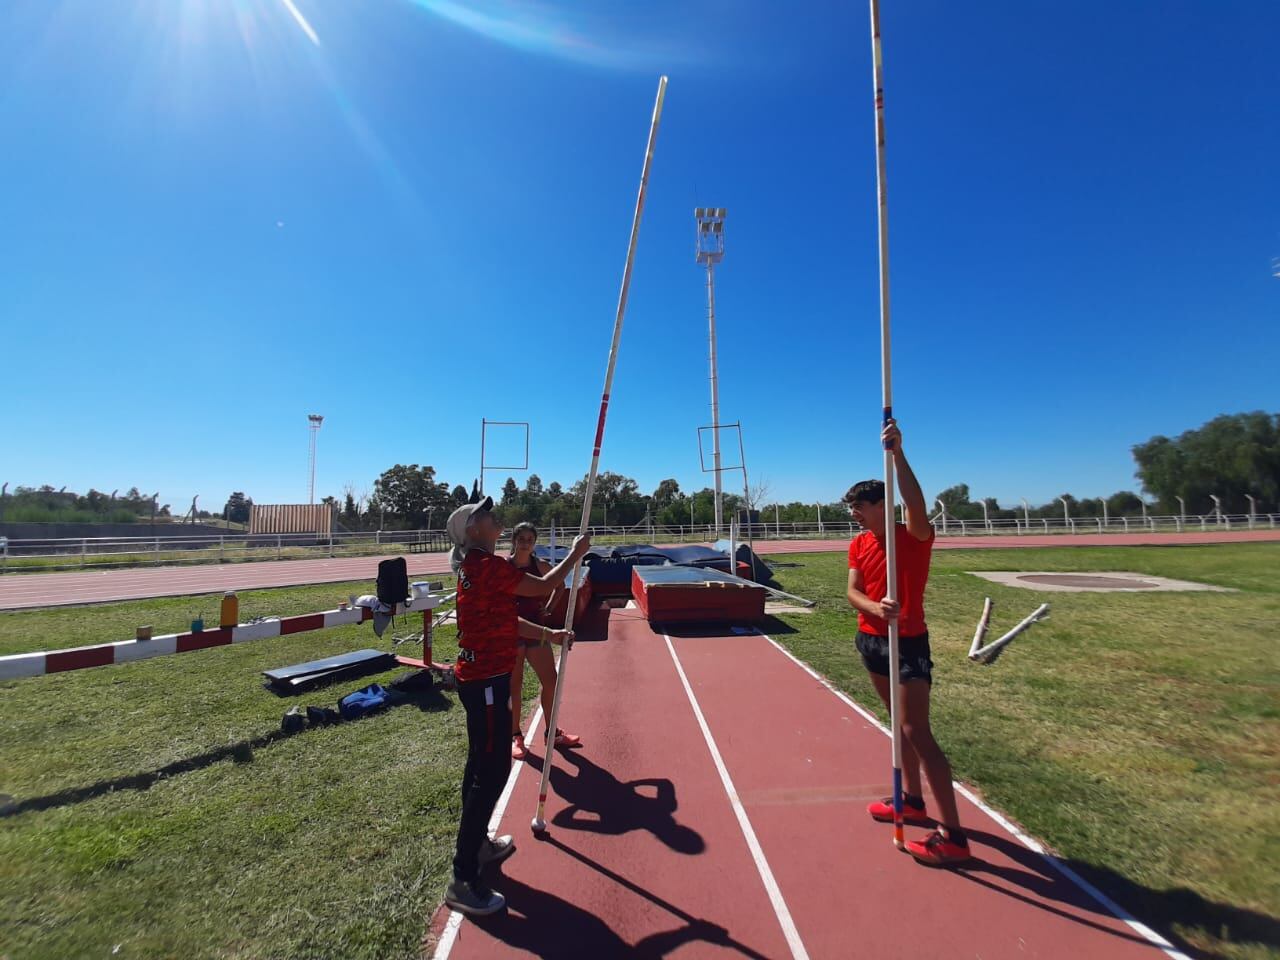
{"x":450,"y":932}
{"x":1119,"y":912}
{"x":780,"y":909}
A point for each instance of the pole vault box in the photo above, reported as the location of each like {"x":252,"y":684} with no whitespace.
{"x":687,"y":595}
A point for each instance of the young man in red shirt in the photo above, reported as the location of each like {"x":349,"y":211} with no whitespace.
{"x":489,"y":628}
{"x":913,"y":542}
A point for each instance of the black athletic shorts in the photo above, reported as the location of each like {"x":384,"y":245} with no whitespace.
{"x":914,"y":662}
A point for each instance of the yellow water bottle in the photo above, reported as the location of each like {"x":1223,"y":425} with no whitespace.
{"x":230,"y":610}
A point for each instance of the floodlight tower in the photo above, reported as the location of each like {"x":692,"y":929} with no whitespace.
{"x":710,"y":251}
{"x":313,"y":420}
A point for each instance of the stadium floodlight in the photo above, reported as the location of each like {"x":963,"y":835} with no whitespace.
{"x":710,"y":251}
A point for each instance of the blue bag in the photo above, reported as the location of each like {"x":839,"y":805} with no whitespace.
{"x":363,"y":702}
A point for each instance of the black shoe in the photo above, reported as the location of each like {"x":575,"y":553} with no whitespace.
{"x":474,"y":899}
{"x":293,"y":722}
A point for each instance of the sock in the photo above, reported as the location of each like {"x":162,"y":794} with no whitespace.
{"x":913,"y":800}
{"x":956,"y":835}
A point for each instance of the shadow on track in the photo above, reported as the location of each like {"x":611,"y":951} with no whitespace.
{"x":549,"y":926}
{"x":598,"y":802}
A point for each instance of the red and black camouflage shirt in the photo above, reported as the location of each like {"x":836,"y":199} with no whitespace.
{"x":488,"y":622}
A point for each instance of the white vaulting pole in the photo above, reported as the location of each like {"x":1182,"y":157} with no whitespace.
{"x":539,"y":824}
{"x":886,"y":378}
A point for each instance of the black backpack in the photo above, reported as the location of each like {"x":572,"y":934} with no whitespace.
{"x":393,"y":581}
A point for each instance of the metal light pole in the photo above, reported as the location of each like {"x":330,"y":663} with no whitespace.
{"x":1106,"y":521}
{"x":819,"y":518}
{"x":986,"y":520}
{"x":943,"y":508}
{"x":1253,"y":508}
{"x":1217,"y":507}
{"x":313,"y":425}
{"x":1066,"y":513}
{"x":710,"y":251}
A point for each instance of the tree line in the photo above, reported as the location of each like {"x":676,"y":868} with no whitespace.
{"x":1231,"y":457}
{"x":46,"y":504}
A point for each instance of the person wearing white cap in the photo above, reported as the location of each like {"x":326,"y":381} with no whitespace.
{"x":489,"y":628}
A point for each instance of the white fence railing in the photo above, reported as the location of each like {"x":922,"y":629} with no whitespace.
{"x":60,"y":554}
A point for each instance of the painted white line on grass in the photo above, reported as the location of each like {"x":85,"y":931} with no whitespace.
{"x":1119,"y":912}
{"x":780,"y":909}
{"x":450,"y":932}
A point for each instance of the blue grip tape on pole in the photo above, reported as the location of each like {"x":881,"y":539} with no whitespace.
{"x":897,"y":790}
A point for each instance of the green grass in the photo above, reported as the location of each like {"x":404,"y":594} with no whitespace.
{"x":332,"y":843}
{"x":160,"y":810}
{"x":1138,"y":734}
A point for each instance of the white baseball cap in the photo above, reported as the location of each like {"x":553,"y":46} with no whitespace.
{"x":457,"y":527}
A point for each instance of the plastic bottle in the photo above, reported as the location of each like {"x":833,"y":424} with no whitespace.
{"x":230,"y":610}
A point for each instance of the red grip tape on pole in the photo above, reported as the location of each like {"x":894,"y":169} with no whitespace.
{"x":604,"y":409}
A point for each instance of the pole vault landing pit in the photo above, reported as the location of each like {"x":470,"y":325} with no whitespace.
{"x":1103,"y":582}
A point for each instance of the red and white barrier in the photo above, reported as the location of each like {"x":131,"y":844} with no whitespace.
{"x":20,"y":665}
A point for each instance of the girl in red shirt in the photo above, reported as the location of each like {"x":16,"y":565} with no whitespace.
{"x":913,"y":543}
{"x":536,"y":652}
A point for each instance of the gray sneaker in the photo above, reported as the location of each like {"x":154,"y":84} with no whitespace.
{"x":495,"y":850}
{"x":473,"y":899}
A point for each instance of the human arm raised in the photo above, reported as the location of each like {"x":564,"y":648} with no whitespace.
{"x":913,"y":506}
{"x":545,"y":585}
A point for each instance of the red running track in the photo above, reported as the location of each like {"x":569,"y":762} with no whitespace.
{"x":21,"y":591}
{"x":1007,"y":541}
{"x":726,"y":818}
{"x":26,"y":590}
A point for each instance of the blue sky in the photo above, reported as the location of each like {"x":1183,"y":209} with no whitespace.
{"x":221,"y":215}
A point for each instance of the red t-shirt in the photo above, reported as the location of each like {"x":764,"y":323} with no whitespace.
{"x":866,"y":553}
{"x":488,"y":624}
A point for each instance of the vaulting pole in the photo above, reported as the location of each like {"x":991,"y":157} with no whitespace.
{"x":539,"y":824}
{"x":886,"y":379}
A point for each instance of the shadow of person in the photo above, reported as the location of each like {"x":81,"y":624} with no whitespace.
{"x":601,"y":803}
{"x":428,"y":700}
{"x":549,"y":926}
{"x":1160,"y":909}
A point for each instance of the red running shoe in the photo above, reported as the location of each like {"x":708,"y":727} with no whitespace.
{"x":937,"y":850}
{"x":567,"y":741}
{"x":882,"y":810}
{"x":518,"y":749}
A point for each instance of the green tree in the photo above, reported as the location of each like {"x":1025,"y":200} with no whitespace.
{"x":510,"y":492}
{"x":237,"y":507}
{"x":666,"y":493}
{"x":1230,"y":456}
{"x":533,"y":488}
{"x":955,"y":497}
{"x":1124,"y":503}
{"x":410,"y":494}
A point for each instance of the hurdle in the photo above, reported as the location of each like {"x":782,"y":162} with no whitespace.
{"x":23,"y":665}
